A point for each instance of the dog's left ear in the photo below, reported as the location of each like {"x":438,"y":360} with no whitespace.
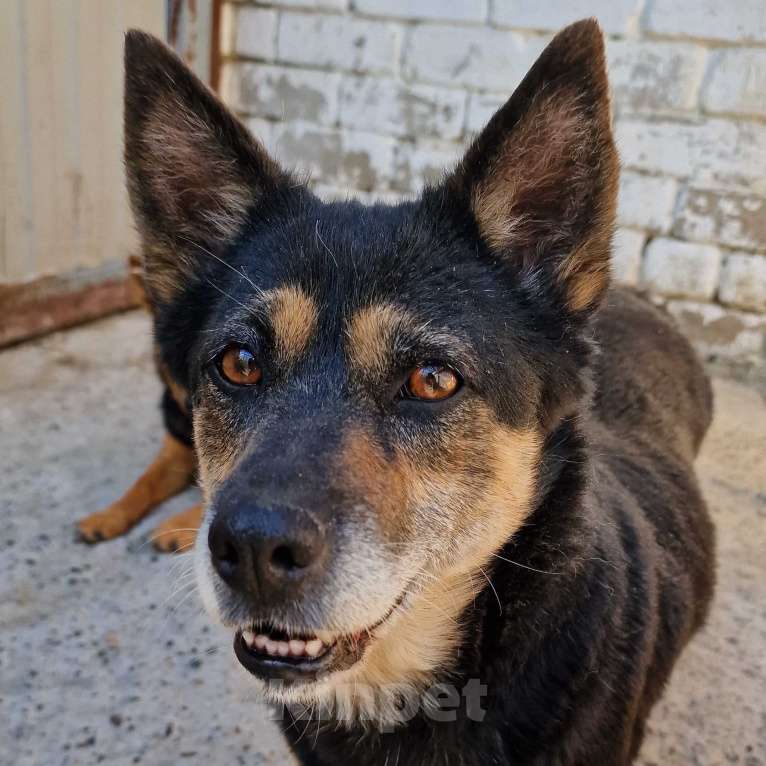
{"x":541,"y":179}
{"x":194,"y":171}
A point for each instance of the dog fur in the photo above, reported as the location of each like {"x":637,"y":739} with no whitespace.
{"x":541,"y":531}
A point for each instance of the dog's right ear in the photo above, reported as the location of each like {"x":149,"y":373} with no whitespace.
{"x":194,"y":171}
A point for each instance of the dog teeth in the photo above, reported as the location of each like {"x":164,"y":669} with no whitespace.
{"x":295,"y":647}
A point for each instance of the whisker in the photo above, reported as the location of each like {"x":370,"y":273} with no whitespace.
{"x":230,"y":297}
{"x":494,"y":590}
{"x":524,"y":566}
{"x":239,"y":273}
{"x":330,"y":252}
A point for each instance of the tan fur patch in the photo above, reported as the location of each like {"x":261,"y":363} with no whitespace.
{"x":293,"y":317}
{"x":218,"y":443}
{"x":454,"y":525}
{"x":178,"y":533}
{"x":370,"y":336}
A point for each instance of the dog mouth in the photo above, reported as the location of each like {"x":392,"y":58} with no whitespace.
{"x":271,"y":653}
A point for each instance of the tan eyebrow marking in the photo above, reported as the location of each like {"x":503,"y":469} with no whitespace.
{"x":371,"y":333}
{"x":375,"y":335}
{"x":293,"y":317}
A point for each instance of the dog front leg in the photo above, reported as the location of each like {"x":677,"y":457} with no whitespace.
{"x":171,"y":471}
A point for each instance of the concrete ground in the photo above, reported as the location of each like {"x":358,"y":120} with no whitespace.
{"x":106,"y":656}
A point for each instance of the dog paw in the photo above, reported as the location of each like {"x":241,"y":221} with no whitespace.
{"x":103,"y":525}
{"x":178,"y":533}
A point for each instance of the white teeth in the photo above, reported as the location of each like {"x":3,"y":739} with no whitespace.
{"x":294,"y":647}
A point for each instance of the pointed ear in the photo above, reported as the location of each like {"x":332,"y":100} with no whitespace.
{"x":541,"y":179}
{"x":194,"y":171}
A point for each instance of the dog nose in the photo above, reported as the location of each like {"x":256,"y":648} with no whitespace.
{"x":266,"y":553}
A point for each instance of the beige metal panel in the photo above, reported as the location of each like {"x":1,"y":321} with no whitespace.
{"x":62,"y":200}
{"x":15,"y":203}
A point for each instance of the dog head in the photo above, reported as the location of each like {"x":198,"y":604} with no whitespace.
{"x":371,"y":386}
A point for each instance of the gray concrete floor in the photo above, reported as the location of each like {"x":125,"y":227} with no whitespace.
{"x":106,"y":656}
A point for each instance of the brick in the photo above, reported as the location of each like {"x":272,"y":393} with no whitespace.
{"x":364,"y":161}
{"x":423,"y":163}
{"x":439,"y":10}
{"x":681,"y":269}
{"x":481,"y":107}
{"x":626,"y":256}
{"x":484,"y":58}
{"x":721,"y":332}
{"x":286,"y":94}
{"x":309,"y":149}
{"x":646,"y":202}
{"x":740,"y":21}
{"x":316,"y":5}
{"x":655,"y":76}
{"x":389,"y":106}
{"x":255,"y":32}
{"x":615,"y":16}
{"x":743,"y":281}
{"x":368,"y":160}
{"x":730,"y":219}
{"x":714,"y":153}
{"x":737,"y":82}
{"x":338,"y":42}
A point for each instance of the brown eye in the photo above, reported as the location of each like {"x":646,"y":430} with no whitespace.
{"x":432,"y":382}
{"x":238,"y":366}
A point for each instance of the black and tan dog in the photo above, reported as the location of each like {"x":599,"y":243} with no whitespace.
{"x":438,"y":454}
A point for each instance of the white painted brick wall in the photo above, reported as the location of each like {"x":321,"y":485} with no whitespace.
{"x":675,"y":268}
{"x":376,"y":97}
{"x":654,"y":76}
{"x":737,"y":82}
{"x":254,"y":33}
{"x":627,"y":254}
{"x":743,"y":281}
{"x":284,"y":93}
{"x":389,"y":106}
{"x":616,"y":17}
{"x":735,"y":21}
{"x":338,"y":42}
{"x":439,"y":10}
{"x":485,"y":58}
{"x":647,"y":202}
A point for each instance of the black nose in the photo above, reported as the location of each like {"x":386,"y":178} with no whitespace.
{"x":267,"y":553}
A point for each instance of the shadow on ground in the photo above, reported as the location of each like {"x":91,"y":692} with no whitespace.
{"x":106,"y":656}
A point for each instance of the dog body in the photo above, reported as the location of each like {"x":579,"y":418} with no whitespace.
{"x":451,"y":514}
{"x":595,"y":597}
